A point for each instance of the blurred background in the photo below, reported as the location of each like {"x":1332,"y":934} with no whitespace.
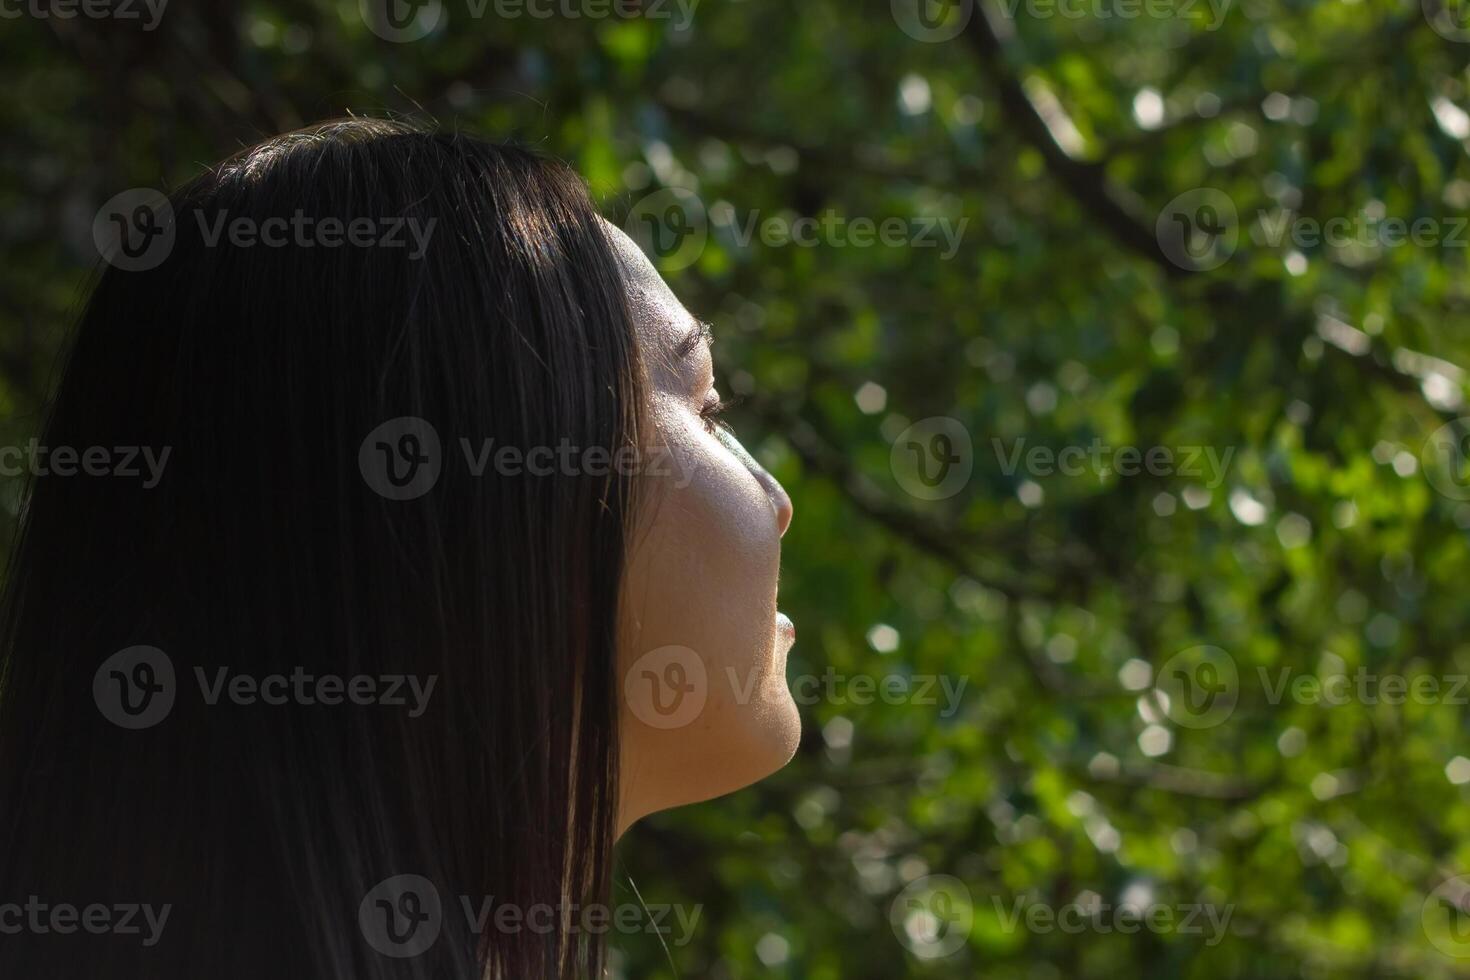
{"x":1110,"y":352}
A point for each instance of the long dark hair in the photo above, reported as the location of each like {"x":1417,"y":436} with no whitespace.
{"x":305,"y":523}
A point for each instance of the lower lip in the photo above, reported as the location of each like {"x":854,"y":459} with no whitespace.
{"x":785,"y":627}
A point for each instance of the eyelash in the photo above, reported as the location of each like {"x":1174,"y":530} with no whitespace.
{"x":711,"y":411}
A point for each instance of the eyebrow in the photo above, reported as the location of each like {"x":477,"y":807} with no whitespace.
{"x":703,"y":333}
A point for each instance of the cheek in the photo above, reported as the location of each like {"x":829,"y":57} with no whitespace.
{"x":710,"y":552}
{"x":702,"y":577}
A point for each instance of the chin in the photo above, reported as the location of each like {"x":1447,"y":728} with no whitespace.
{"x":738,"y":740}
{"x":773,"y":721}
{"x":771,"y":750}
{"x":759,"y":743}
{"x":784,"y":729}
{"x":771,"y":737}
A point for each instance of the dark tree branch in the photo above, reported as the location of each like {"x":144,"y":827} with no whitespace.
{"x":1085,"y":181}
{"x":1088,"y":185}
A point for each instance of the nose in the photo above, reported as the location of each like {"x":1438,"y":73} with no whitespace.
{"x":777,"y":493}
{"x":779,"y":499}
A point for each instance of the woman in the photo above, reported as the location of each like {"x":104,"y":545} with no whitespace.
{"x":446,"y":573}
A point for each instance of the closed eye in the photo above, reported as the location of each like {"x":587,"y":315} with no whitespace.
{"x":710,"y":412}
{"x":703,"y":334}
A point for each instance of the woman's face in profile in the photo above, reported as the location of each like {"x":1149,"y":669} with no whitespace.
{"x":702,"y":649}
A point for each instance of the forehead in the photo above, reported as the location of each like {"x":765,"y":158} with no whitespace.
{"x":661,"y":320}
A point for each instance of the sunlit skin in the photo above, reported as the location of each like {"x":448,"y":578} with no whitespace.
{"x":702,"y":574}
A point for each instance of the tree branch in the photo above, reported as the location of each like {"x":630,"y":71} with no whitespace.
{"x":1085,"y":181}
